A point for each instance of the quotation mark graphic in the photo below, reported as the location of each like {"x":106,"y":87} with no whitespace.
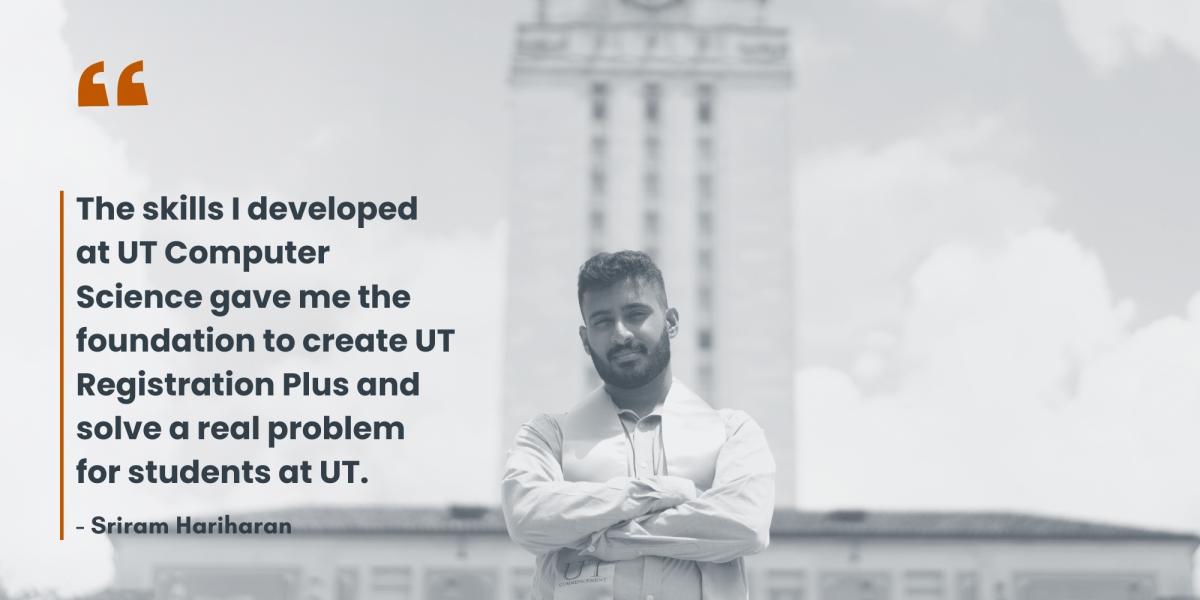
{"x":129,"y":92}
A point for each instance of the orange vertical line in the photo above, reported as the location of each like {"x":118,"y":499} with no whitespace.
{"x":61,"y":363}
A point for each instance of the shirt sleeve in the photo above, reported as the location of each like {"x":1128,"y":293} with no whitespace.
{"x":730,"y":520}
{"x":543,"y":512}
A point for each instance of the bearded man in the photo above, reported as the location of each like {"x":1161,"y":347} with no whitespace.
{"x":642,"y":490}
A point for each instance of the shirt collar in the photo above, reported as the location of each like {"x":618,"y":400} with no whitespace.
{"x":678,"y":396}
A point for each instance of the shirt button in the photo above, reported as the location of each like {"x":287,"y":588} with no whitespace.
{"x":649,"y":596}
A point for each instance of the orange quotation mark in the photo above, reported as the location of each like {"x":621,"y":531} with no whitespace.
{"x":129,"y":92}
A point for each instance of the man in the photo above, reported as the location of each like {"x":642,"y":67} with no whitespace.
{"x":642,"y":491}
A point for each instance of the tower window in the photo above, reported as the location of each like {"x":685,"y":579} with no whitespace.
{"x":599,"y":146}
{"x":653,"y":146}
{"x":650,"y":182}
{"x":704,"y":187}
{"x":705,"y":339}
{"x":704,"y":222}
{"x":599,"y":182}
{"x":650,"y":222}
{"x":597,"y":221}
{"x":704,"y":297}
{"x":704,"y":103}
{"x":705,"y":376}
{"x":599,"y":102}
{"x":652,"y":102}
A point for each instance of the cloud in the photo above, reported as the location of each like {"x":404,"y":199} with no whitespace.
{"x":49,"y":145}
{"x":1109,"y":33}
{"x":1112,"y":32}
{"x":1020,"y":385}
{"x":1017,"y":321}
{"x":866,"y":217}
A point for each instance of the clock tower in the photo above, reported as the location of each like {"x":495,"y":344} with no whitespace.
{"x":659,"y":125}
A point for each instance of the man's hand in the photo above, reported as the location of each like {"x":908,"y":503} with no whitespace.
{"x":675,"y":490}
{"x":544,"y":512}
{"x":730,"y":520}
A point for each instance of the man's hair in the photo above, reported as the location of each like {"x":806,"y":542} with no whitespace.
{"x":608,"y":268}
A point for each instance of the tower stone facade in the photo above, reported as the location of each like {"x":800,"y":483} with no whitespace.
{"x":660,"y":125}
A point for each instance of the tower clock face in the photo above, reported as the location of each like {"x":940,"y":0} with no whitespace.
{"x":653,"y":4}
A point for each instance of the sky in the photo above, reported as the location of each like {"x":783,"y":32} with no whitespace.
{"x":995,"y":207}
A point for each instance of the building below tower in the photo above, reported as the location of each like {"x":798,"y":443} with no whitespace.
{"x":464,"y":553}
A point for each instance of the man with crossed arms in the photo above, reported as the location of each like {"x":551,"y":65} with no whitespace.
{"x":642,"y":491}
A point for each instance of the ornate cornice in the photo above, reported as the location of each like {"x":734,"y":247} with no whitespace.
{"x":636,"y":48}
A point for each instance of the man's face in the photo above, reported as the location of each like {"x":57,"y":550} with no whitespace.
{"x":627,"y":332}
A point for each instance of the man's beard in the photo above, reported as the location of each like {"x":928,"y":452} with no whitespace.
{"x":659,"y":360}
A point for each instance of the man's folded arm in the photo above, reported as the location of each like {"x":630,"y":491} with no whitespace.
{"x":544,"y":512}
{"x":730,"y":520}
